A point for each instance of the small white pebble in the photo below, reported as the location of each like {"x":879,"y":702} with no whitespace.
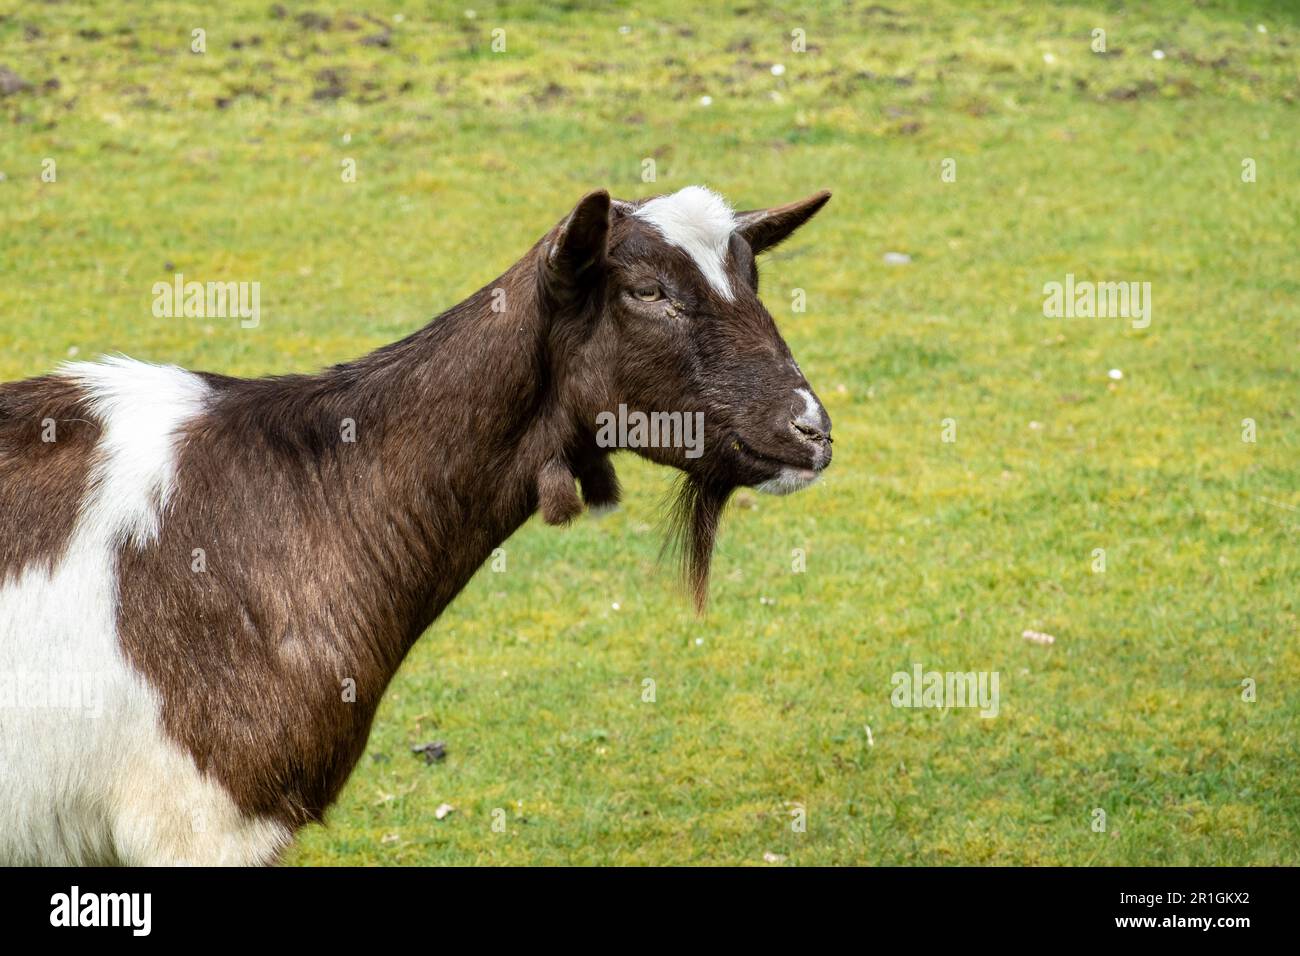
{"x":72,"y":350}
{"x":625,"y":30}
{"x":770,"y":857}
{"x":778,"y":69}
{"x":1048,"y":58}
{"x":1036,"y":426}
{"x":1261,"y":28}
{"x":347,"y":137}
{"x":471,"y":14}
{"x":614,"y":605}
{"x":897,"y":258}
{"x":706,"y":101}
{"x":699,"y":641}
{"x":1115,"y":374}
{"x":443,"y":810}
{"x":1157,"y":54}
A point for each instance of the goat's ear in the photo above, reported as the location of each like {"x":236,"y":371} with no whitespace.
{"x":764,"y":228}
{"x":575,"y":251}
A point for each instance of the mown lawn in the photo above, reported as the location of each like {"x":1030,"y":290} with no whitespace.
{"x":1114,"y":166}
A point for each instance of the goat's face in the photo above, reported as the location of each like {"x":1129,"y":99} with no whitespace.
{"x":680,"y":339}
{"x":659,"y":327}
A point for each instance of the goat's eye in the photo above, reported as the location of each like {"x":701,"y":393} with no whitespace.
{"x":648,"y":293}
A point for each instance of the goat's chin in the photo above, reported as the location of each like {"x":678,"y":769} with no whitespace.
{"x":788,"y":480}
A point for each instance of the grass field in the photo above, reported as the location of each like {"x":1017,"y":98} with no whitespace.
{"x":1121,"y":165}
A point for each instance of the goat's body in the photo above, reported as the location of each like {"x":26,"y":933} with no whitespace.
{"x":232,"y":585}
{"x":87,"y":773}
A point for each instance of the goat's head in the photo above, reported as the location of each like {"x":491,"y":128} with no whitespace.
{"x":658,"y":304}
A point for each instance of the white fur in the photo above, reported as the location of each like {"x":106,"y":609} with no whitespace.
{"x":700,"y":222}
{"x":788,"y":481}
{"x":811,"y":410}
{"x":98,"y":781}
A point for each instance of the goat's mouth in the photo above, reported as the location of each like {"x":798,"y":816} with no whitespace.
{"x":775,"y":475}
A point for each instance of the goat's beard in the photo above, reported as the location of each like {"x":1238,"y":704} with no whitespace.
{"x":693,"y":529}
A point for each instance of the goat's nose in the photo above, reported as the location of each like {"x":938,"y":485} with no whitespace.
{"x":812,"y":422}
{"x":813,"y":432}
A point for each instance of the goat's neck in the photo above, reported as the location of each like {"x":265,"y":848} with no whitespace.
{"x":464,"y":418}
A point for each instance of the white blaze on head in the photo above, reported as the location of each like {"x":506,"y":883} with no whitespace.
{"x":698,"y":221}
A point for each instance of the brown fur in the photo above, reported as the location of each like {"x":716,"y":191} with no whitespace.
{"x":42,"y":483}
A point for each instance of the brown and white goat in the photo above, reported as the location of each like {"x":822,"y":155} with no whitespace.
{"x":234,"y":569}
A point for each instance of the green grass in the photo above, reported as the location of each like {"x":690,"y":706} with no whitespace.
{"x":226,"y":165}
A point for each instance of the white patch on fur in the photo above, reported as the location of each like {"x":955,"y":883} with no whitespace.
{"x":700,"y":222}
{"x":788,"y":481}
{"x":811,"y":410}
{"x":91,"y":777}
{"x":141,"y":407}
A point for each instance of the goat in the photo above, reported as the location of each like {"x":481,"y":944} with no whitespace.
{"x":234,"y":569}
